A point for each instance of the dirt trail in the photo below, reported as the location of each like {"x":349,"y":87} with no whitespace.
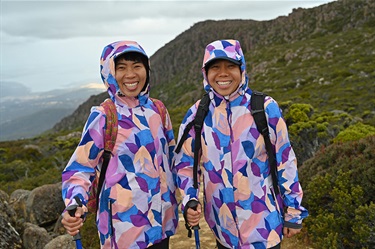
{"x":182,"y":241}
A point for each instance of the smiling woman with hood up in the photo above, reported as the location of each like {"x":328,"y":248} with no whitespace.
{"x":240,"y":205}
{"x":137,"y":205}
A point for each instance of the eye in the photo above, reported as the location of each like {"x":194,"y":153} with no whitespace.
{"x":138,"y":65}
{"x":120,"y":67}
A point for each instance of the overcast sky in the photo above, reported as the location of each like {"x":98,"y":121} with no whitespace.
{"x":54,"y":44}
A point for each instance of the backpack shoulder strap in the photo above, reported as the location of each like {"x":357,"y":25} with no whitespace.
{"x":161,"y":108}
{"x":257,"y":110}
{"x":111,"y":124}
{"x":110,"y":136}
{"x":198,"y":125}
{"x":197,"y":122}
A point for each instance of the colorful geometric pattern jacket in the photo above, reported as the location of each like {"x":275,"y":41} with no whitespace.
{"x":240,"y":205}
{"x":137,"y":206}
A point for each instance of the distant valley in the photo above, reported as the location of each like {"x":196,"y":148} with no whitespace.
{"x":24,"y":114}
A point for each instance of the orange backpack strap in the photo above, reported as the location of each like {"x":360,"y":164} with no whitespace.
{"x":161,"y":109}
{"x":109,"y":143}
{"x":111,"y":124}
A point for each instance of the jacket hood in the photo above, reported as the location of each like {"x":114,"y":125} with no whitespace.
{"x":228,"y":50}
{"x":107,"y":65}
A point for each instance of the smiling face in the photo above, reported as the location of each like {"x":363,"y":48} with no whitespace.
{"x":224,"y":76}
{"x":130,"y":76}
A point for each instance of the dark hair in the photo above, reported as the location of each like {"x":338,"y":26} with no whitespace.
{"x":211,"y":62}
{"x":137,"y":57}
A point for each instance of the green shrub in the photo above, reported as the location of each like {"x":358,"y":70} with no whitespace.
{"x":355,"y":132}
{"x":338,"y":192}
{"x":332,"y":209}
{"x":364,"y":226}
{"x":322,"y":231}
{"x":298,"y":113}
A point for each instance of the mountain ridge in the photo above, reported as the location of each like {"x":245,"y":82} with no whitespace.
{"x":176,"y":66}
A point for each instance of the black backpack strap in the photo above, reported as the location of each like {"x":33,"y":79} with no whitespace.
{"x":197,"y":122}
{"x":257,"y":110}
{"x":184,"y":136}
{"x":106,"y":157}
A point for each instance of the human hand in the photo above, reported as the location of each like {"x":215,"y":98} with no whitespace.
{"x":290,"y":232}
{"x":193,"y":215}
{"x":72,"y":224}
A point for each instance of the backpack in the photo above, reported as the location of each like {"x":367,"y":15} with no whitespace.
{"x":257,"y":110}
{"x":109,"y":143}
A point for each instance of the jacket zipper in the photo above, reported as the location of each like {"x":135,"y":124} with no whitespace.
{"x":229,"y":119}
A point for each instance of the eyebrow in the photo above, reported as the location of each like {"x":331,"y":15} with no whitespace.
{"x":123,"y":63}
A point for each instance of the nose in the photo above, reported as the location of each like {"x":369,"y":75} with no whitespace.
{"x":223,"y":71}
{"x":129,"y":73}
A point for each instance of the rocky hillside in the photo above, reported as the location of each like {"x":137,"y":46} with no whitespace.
{"x":320,"y":56}
{"x":181,"y":58}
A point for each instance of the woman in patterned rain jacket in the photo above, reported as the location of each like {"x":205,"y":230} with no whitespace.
{"x":138,"y":206}
{"x":239,"y":201}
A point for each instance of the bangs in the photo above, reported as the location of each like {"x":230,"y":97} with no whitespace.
{"x":133,"y":56}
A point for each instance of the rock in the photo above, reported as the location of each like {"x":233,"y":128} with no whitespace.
{"x":59,"y":228}
{"x":45,"y":205}
{"x":5,"y":209}
{"x":35,"y":237}
{"x":9,"y":237}
{"x":61,"y":242}
{"x":18,"y":201}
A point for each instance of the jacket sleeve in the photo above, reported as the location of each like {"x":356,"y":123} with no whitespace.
{"x":184,"y":161}
{"x":290,"y":187}
{"x":80,"y":170}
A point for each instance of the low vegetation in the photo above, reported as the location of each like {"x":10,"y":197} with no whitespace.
{"x":339,"y":194}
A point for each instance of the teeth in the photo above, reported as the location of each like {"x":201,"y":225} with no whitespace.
{"x":222,"y":83}
{"x":132,"y":84}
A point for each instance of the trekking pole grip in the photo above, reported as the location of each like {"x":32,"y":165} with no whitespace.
{"x":72,"y":211}
{"x":193,"y":204}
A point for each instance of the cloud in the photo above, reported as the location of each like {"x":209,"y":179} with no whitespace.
{"x":68,"y":19}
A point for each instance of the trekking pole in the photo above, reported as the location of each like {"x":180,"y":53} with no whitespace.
{"x":77,"y":238}
{"x":193,"y":204}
